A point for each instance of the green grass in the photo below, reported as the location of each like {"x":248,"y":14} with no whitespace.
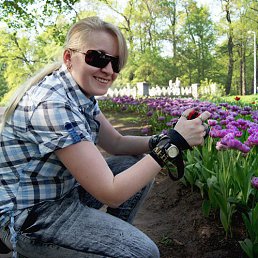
{"x":243,"y":99}
{"x":123,"y":117}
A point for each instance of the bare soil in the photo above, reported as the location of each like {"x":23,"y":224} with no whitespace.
{"x":172,"y":215}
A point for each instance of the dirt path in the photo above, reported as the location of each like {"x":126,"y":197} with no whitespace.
{"x":172,"y":217}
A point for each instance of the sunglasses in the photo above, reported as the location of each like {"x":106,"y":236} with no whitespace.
{"x":99,"y":59}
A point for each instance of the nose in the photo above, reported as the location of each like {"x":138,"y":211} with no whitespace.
{"x":108,"y":68}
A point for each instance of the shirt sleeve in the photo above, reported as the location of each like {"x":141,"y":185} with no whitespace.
{"x":57,"y":125}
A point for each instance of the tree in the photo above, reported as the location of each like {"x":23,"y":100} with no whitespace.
{"x":3,"y":84}
{"x":168,"y":10}
{"x":21,"y":57}
{"x":156,"y":72}
{"x":239,"y":48}
{"x":197,"y":42}
{"x":37,"y":31}
{"x":35,"y":13}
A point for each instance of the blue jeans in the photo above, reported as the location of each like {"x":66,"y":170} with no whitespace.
{"x":74,"y":226}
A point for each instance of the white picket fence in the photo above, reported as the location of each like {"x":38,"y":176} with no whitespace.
{"x":143,"y":89}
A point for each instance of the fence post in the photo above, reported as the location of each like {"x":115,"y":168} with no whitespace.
{"x":143,"y":88}
{"x":194,"y":87}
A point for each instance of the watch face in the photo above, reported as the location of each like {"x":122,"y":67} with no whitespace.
{"x":172,"y":151}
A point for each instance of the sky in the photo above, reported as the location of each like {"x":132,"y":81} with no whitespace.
{"x":214,"y":7}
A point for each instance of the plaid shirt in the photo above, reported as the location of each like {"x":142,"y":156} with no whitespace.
{"x":52,"y":115}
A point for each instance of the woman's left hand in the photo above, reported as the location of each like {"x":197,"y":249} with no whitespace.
{"x":193,"y":130}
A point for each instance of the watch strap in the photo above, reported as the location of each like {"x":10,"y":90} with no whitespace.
{"x":158,"y":145}
{"x":155,"y":139}
{"x":159,"y":152}
{"x":157,"y":159}
{"x":178,"y":140}
{"x":161,"y":157}
{"x":179,"y":163}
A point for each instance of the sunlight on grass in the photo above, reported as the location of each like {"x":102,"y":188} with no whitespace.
{"x":121,"y":117}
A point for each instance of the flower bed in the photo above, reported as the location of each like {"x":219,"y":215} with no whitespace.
{"x":225,"y":168}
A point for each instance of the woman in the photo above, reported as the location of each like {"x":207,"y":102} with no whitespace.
{"x":54,"y":180}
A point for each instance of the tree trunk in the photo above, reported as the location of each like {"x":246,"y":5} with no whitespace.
{"x":230,"y":49}
{"x":243,"y":86}
{"x":230,"y":65}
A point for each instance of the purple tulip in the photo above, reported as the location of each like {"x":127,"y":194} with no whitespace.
{"x":145,"y":130}
{"x":229,"y":123}
{"x":161,"y":118}
{"x":252,"y":139}
{"x":233,"y":143}
{"x":254,"y":182}
{"x":220,"y":146}
{"x":149,"y":113}
{"x":212,"y":122}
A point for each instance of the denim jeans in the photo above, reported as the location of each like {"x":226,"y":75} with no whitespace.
{"x":74,"y":226}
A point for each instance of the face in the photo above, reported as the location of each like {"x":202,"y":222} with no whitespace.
{"x":92,"y":80}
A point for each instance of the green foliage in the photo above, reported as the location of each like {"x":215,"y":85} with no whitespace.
{"x":167,"y":39}
{"x":22,"y":56}
{"x":250,"y":245}
{"x":223,"y":177}
{"x":3,"y":84}
{"x":17,"y":56}
{"x":152,"y":68}
{"x":251,"y":100}
{"x":198,"y":32}
{"x":32,"y":13}
{"x":208,"y":89}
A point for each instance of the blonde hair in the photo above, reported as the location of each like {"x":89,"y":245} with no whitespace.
{"x":80,"y":32}
{"x":77,"y":37}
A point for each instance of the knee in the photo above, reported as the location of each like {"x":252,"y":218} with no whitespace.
{"x":154,"y":250}
{"x":140,"y":245}
{"x":148,"y":249}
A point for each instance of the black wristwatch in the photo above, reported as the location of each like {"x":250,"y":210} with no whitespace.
{"x":172,"y":151}
{"x":168,"y":151}
{"x":165,"y":150}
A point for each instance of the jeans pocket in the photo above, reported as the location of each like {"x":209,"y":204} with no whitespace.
{"x":25,"y":222}
{"x":28,"y":225}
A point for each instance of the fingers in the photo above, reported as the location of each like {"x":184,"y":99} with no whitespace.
{"x":204,"y":116}
{"x":186,"y":113}
{"x":194,"y":130}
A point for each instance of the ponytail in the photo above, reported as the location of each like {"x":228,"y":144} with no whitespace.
{"x":19,"y":93}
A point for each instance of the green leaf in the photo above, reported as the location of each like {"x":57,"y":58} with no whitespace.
{"x":224,"y":220}
{"x":206,"y":207}
{"x":247,"y":246}
{"x":248,"y":225}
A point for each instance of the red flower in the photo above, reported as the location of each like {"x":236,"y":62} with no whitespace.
{"x":237,"y":98}
{"x":192,"y":115}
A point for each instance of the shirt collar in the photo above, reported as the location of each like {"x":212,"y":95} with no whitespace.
{"x":73,"y":90}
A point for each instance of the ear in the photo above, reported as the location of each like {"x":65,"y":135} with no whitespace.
{"x":67,"y":58}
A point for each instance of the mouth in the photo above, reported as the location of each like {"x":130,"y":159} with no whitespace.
{"x":101,"y":80}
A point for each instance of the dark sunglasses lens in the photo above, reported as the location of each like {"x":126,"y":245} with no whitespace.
{"x":115,"y":65}
{"x":100,"y":60}
{"x":93,"y":58}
